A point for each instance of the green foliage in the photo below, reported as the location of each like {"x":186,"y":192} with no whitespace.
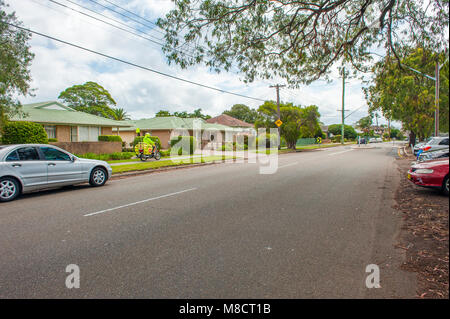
{"x":234,"y":147}
{"x":24,"y":133}
{"x":270,"y":140}
{"x":186,"y":144}
{"x":110,"y":138}
{"x":120,"y":114}
{"x":243,"y":113}
{"x":53,"y":140}
{"x":365,"y":123}
{"x":195,"y":114}
{"x":91,"y":98}
{"x":349,"y":131}
{"x":296,"y":120}
{"x":15,"y":63}
{"x":108,"y":157}
{"x":408,"y":97}
{"x":336,"y":138}
{"x":299,"y":41}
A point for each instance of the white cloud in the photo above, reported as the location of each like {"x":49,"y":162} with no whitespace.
{"x":58,"y":66}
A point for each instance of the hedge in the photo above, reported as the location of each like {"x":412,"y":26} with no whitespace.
{"x":139,"y":139}
{"x":110,"y":138}
{"x":53,"y":140}
{"x":183,"y":139}
{"x":107,"y":157}
{"x":24,"y":133}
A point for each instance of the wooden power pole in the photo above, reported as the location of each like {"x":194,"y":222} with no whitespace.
{"x":277,"y":87}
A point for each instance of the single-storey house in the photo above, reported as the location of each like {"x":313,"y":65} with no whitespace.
{"x":66,"y":124}
{"x":167,"y":127}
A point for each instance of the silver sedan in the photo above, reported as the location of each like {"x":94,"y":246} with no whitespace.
{"x":30,"y":167}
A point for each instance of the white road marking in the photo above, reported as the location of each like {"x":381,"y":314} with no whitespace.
{"x":341,"y":152}
{"x":290,"y":164}
{"x":139,"y":202}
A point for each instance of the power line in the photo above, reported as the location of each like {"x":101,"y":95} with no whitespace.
{"x":133,"y":64}
{"x":110,"y":24}
{"x":128,"y":17}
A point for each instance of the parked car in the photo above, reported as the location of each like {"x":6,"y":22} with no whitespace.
{"x":418,"y":145}
{"x":379,"y":140}
{"x":30,"y":167}
{"x":431,"y":155}
{"x":436,"y":143}
{"x":431,"y":174}
{"x":372,"y":140}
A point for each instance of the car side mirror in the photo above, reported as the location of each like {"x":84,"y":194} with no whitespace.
{"x":72,"y":158}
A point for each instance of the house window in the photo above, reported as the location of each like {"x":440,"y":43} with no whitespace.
{"x":74,"y":134}
{"x":88,"y":133}
{"x":50,"y":130}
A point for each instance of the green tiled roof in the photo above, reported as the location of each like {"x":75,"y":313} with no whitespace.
{"x":171,"y":123}
{"x":46,"y":113}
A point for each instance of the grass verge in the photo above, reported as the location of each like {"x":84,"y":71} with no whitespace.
{"x":157,"y":164}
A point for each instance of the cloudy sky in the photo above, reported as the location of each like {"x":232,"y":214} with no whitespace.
{"x":57,"y":66}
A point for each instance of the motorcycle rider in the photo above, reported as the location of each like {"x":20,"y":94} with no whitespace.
{"x":149,"y":141}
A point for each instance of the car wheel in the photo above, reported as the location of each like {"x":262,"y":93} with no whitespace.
{"x":98,"y":177}
{"x":157,"y":156}
{"x":445,"y":186}
{"x":9,"y":189}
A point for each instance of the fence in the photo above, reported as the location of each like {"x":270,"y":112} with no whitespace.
{"x":306,"y":141}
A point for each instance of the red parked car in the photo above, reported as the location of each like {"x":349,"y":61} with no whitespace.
{"x":431,"y":174}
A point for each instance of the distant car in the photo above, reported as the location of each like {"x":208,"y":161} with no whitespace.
{"x":431,"y":174}
{"x":29,"y":167}
{"x":372,"y":140}
{"x":379,"y":140}
{"x":431,"y":155}
{"x":436,"y":143}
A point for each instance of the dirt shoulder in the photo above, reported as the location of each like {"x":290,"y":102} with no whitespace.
{"x":424,"y":234}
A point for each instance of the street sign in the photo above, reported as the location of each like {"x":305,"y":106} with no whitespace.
{"x":319,"y":140}
{"x":278,"y":122}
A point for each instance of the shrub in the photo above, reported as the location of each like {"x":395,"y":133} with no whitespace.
{"x":110,"y":138}
{"x":139,"y":139}
{"x":268,"y":138}
{"x":24,"y":133}
{"x":54,"y":140}
{"x":165,"y":153}
{"x":107,"y":157}
{"x":183,"y":139}
{"x":336,"y":138}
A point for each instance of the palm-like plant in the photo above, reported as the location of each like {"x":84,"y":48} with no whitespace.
{"x":120,"y":114}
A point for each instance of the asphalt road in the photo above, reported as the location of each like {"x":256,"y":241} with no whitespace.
{"x":218,"y":231}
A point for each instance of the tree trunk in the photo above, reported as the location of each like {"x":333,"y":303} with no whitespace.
{"x":412,"y":139}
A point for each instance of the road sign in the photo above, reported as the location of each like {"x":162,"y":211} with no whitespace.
{"x":278,"y":122}
{"x":319,"y":140}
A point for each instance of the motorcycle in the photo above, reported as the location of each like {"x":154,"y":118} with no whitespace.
{"x":145,"y":152}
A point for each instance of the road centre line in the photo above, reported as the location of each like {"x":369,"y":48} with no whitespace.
{"x":139,"y":202}
{"x":340,"y":152}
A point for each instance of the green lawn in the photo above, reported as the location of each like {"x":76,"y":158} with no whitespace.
{"x":152,"y":164}
{"x":316,"y":146}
